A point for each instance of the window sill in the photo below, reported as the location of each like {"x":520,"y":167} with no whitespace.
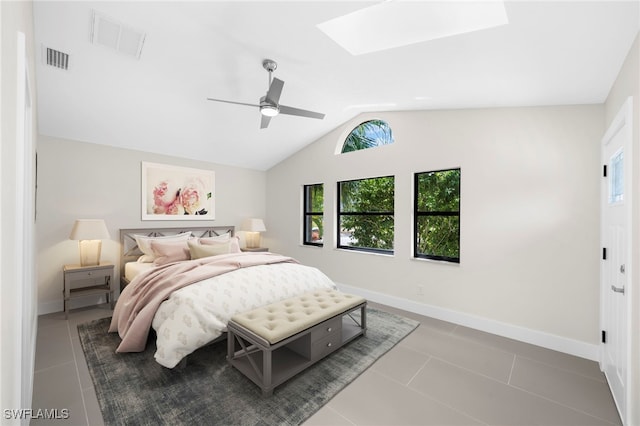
{"x":372,"y":253}
{"x":440,"y":262}
{"x":311,"y":245}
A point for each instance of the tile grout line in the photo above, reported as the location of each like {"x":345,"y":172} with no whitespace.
{"x":339,"y":414}
{"x":75,"y":361}
{"x":513,"y":364}
{"x":435,"y":398}
{"x":41,"y":370}
{"x":506,"y":384}
{"x":530,"y":358}
{"x":561,"y":404}
{"x":432,"y":397}
{"x":426,"y":395}
{"x":550,"y":365}
{"x":429,"y":357}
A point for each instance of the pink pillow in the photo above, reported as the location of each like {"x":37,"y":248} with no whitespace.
{"x":233,"y":242}
{"x":167,"y":252}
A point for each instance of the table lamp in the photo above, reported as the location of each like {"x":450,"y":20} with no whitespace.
{"x":89,"y":233}
{"x":253,"y":228}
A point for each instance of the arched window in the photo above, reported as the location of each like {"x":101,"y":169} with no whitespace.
{"x":369,"y":134}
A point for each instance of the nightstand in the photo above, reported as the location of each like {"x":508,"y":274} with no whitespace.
{"x":80,"y":281}
{"x":255,"y":249}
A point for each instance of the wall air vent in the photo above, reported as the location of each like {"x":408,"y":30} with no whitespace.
{"x":111,"y":33}
{"x":55,"y":58}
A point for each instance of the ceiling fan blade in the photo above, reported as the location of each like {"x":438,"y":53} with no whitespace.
{"x":275,"y":89}
{"x":300,"y":112}
{"x":264,"y":122}
{"x":233,"y":102}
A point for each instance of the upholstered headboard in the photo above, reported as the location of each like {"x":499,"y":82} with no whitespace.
{"x":129,"y":247}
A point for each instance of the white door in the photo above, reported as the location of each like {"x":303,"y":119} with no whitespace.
{"x":615,"y":277}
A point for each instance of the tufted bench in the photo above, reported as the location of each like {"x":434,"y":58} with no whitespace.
{"x":272,"y":343}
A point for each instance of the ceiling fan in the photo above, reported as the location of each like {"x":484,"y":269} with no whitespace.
{"x":269,"y":104}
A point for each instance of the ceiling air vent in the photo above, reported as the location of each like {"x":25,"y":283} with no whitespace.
{"x":55,"y":58}
{"x":111,"y":33}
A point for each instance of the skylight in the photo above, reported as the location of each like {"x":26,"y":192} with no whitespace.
{"x":400,"y":23}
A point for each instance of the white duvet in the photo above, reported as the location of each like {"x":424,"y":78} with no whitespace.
{"x":197,"y":314}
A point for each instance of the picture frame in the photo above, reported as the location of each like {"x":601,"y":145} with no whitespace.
{"x":177,"y":193}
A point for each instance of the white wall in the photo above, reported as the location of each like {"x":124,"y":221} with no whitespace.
{"x":82,"y":180}
{"x":18,"y":319}
{"x":529,"y":218}
{"x":628,"y":84}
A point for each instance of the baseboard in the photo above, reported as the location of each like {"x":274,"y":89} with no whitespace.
{"x":522,"y":334}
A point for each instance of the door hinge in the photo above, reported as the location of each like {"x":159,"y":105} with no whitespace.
{"x":604,"y":171}
{"x":604,"y":336}
{"x":604,"y":253}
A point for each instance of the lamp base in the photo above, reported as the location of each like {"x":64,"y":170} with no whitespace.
{"x":90,"y":252}
{"x":253,"y":239}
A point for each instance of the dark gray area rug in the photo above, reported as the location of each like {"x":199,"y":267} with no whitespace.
{"x":133,"y":389}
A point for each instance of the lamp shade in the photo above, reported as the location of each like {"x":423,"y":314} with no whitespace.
{"x":89,"y":229}
{"x":253,"y":225}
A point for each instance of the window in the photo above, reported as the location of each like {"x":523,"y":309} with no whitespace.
{"x":369,"y":134}
{"x":313,"y":214}
{"x":616,"y":183}
{"x":365,"y":214}
{"x":437,"y":215}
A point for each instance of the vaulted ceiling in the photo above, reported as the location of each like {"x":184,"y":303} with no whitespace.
{"x":549,"y":53}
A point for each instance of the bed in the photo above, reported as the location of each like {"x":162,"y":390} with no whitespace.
{"x":188,"y":300}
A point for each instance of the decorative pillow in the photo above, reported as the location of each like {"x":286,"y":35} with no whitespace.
{"x":218,"y":238}
{"x":144,"y":244}
{"x":234,"y":243}
{"x":201,"y":250}
{"x":167,"y":252}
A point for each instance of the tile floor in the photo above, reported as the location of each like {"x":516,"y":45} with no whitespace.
{"x":441,"y":374}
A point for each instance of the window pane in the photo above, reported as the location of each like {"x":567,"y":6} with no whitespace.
{"x":367,"y":231}
{"x":367,"y":195}
{"x":314,"y":198}
{"x":437,"y":215}
{"x":438,"y":236}
{"x":314,"y":229}
{"x":313,"y":214}
{"x":368,"y":135}
{"x":439,"y":191}
{"x":616,"y":186}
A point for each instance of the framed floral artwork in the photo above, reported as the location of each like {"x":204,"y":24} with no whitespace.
{"x":177,"y":193}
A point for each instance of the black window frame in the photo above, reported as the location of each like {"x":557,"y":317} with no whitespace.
{"x":340,"y":213}
{"x":417,"y":214}
{"x":308,"y":214}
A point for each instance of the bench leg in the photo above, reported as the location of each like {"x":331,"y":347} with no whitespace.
{"x":363,"y":319}
{"x":266,"y":373}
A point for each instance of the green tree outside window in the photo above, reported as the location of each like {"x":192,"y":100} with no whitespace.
{"x":437,"y":215}
{"x":366,"y":214}
{"x":369,"y":134}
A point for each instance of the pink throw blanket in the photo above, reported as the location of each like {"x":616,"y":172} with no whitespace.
{"x":138,"y":303}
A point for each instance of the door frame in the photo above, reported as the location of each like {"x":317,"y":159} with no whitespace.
{"x":623,"y":121}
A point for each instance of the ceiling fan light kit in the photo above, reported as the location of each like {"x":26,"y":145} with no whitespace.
{"x":269,"y":104}
{"x":268,"y":109}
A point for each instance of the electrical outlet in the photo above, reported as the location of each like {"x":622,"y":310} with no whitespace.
{"x":420,"y":290}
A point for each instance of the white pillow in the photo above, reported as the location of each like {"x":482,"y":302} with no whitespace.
{"x":144,"y":244}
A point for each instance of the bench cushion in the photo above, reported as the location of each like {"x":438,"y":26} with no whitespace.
{"x":279,"y":320}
